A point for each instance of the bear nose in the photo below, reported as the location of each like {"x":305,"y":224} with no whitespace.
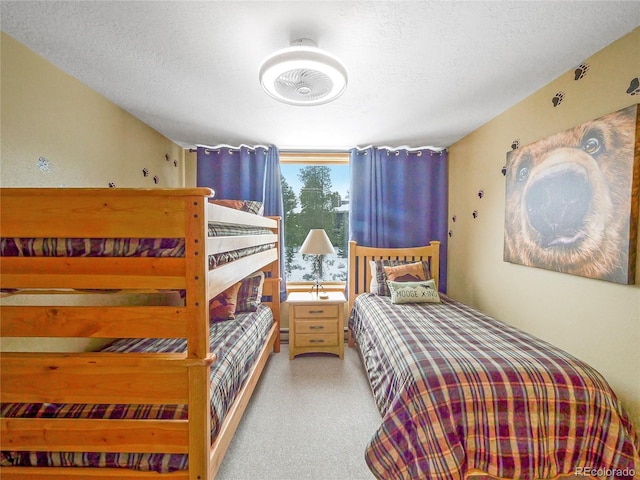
{"x":557,"y":203}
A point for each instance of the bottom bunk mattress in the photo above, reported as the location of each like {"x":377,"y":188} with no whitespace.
{"x":460,"y":392}
{"x":237,"y":344}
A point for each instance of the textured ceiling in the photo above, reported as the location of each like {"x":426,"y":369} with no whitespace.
{"x":420,"y":72}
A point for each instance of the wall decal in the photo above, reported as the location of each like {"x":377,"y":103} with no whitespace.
{"x":145,"y":172}
{"x":175,"y":163}
{"x":504,"y":170}
{"x":557,"y":99}
{"x":634,"y":87}
{"x":572,"y":200}
{"x":454,"y":218}
{"x":581,"y":71}
{"x":515,"y":144}
{"x":44,"y":164}
{"x":475,"y":214}
{"x":112,"y":185}
{"x":156,"y":179}
{"x":167,"y":157}
{"x":480,"y":193}
{"x":450,"y":233}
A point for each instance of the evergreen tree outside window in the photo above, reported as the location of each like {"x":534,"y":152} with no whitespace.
{"x":315,"y":196}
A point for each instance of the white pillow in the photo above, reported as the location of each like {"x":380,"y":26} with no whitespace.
{"x":373,"y":286}
{"x":414,"y":292}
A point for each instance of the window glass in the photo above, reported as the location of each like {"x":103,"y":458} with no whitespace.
{"x":315,"y":196}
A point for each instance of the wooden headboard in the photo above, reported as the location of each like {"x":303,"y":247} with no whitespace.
{"x":359,"y":257}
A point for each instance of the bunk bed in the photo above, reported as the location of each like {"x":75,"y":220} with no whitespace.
{"x":463,"y":395}
{"x":143,"y":406}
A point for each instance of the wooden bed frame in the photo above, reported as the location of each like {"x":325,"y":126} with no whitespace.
{"x":131,"y":378}
{"x":360,"y":273}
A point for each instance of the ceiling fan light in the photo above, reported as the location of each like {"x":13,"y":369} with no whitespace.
{"x":303,"y":75}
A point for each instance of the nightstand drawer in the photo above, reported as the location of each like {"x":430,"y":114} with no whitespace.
{"x":316,"y":340}
{"x":316,"y":311}
{"x":317,"y":326}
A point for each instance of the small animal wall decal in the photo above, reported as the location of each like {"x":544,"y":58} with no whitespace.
{"x":475,"y":214}
{"x":156,"y":179}
{"x":145,"y":172}
{"x":480,"y":193}
{"x":557,"y":99}
{"x":581,"y":71}
{"x":515,"y":144}
{"x":112,"y":185}
{"x":44,"y":164}
{"x":634,"y":87}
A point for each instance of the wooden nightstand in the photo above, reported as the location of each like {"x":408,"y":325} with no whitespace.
{"x":316,"y":325}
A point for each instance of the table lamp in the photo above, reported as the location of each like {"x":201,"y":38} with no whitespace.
{"x":317,"y":243}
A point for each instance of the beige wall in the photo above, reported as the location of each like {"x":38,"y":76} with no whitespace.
{"x":595,"y":320}
{"x":87,"y":140}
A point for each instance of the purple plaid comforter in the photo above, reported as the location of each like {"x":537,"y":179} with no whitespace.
{"x":236,"y":343}
{"x":461,"y":392}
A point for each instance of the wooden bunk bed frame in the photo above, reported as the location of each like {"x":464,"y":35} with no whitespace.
{"x":131,"y":378}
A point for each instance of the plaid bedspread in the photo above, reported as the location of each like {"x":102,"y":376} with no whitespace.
{"x":459,"y":391}
{"x":236,"y":344}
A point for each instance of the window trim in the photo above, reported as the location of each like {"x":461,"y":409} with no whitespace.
{"x":315,"y":158}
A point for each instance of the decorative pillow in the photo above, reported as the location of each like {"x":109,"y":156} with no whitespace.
{"x":250,"y":293}
{"x":379,"y":278}
{"x":223,"y":306}
{"x":414,"y":292}
{"x":251,"y":206}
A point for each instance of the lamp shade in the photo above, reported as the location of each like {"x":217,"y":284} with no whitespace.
{"x":317,"y":243}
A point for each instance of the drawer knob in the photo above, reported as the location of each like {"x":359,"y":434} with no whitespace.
{"x":316,"y":327}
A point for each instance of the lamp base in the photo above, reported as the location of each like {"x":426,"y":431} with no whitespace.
{"x":318,"y":290}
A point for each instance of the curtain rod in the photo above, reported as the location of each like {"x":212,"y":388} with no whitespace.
{"x":403,"y":147}
{"x":386,"y":147}
{"x":223,"y":145}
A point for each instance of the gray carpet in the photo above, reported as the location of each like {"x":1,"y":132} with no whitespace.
{"x":309,"y":418}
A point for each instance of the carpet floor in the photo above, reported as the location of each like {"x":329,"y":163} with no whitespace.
{"x":309,"y":418}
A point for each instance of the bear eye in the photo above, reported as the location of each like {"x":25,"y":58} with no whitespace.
{"x":591,"y":145}
{"x":523,"y":173}
{"x":593,"y":142}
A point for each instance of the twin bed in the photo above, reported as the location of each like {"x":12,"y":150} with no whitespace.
{"x":162,"y":395}
{"x":462,"y":394}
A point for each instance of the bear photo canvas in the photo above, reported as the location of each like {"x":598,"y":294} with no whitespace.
{"x":572,"y":200}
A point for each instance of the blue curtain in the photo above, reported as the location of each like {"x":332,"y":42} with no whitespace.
{"x":245,"y":174}
{"x":398,"y":198}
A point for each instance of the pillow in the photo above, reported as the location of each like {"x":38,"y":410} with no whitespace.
{"x":378,"y":283}
{"x":414,"y":292}
{"x":410,"y":272}
{"x":251,"y":206}
{"x":223,"y":306}
{"x":250,"y":293}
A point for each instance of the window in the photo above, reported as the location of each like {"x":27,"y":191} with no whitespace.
{"x":315,"y":189}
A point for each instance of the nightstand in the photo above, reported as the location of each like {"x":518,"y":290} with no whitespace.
{"x":316,"y":325}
